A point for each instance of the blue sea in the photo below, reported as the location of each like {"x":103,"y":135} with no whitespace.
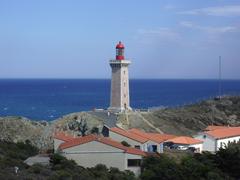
{"x":48,"y":99}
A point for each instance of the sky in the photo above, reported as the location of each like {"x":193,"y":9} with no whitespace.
{"x":76,"y":39}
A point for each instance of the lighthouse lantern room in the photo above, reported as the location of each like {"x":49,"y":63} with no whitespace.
{"x":119,"y":51}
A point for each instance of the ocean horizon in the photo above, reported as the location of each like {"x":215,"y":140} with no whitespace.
{"x":51,"y":98}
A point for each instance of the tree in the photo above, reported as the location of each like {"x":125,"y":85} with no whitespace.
{"x":194,"y":169}
{"x":161,"y":167}
{"x":94,"y":130}
{"x":79,"y":125}
{"x":228,"y":159}
{"x":82,"y":126}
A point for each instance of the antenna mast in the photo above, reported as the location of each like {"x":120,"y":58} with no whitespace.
{"x":220,"y":78}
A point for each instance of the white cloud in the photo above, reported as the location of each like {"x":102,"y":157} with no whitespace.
{"x":209,"y":29}
{"x":163,"y":33}
{"x":228,"y":11}
{"x":187,"y":24}
{"x":169,"y":7}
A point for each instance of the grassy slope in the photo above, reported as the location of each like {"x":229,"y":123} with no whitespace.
{"x":192,"y":118}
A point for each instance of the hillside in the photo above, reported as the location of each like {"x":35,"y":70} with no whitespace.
{"x":193,"y":118}
{"x":186,"y":120}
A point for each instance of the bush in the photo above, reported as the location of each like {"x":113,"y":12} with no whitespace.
{"x":60,"y":162}
{"x":160,"y":167}
{"x":125,"y":144}
{"x":36,"y":168}
{"x":228,"y":160}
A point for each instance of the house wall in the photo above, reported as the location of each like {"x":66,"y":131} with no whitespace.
{"x":150,"y":143}
{"x":93,"y":153}
{"x":224,"y":142}
{"x":209,"y":143}
{"x":56,"y":143}
{"x":135,"y":169}
{"x":120,"y":138}
{"x":198,"y":147}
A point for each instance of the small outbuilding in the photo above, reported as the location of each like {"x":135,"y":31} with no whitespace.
{"x":148,"y":142}
{"x":216,"y":137}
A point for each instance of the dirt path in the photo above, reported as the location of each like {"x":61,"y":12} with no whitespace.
{"x":150,"y":124}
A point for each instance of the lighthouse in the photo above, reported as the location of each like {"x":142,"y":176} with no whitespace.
{"x":119,"y":100}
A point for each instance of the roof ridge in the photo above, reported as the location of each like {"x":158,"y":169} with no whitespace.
{"x":128,"y":134}
{"x":101,"y":139}
{"x":224,"y":132}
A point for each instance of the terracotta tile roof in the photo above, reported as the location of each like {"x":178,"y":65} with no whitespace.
{"x":129,"y":135}
{"x":161,"y":137}
{"x":116,"y":144}
{"x":156,"y":137}
{"x":104,"y":140}
{"x":211,"y":128}
{"x":62,"y":136}
{"x":184,"y":140}
{"x":224,"y":132}
{"x":77,"y":141}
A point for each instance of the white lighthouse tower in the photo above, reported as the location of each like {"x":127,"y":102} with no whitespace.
{"x":120,"y":81}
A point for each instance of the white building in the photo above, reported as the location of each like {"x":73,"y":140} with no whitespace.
{"x":148,"y":142}
{"x":88,"y":151}
{"x":215,"y":137}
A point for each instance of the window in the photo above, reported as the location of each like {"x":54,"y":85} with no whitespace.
{"x":154,"y":148}
{"x":137,"y":146}
{"x":134,"y":162}
{"x":204,"y":136}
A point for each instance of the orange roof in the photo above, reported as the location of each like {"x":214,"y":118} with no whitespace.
{"x":210,"y":128}
{"x":104,"y":140}
{"x":156,"y":137}
{"x":62,"y":136}
{"x":224,"y":132}
{"x":161,"y":137}
{"x":129,"y":135}
{"x":184,"y":140}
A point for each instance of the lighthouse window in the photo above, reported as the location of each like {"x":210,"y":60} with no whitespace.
{"x":123,"y":72}
{"x":124,"y":84}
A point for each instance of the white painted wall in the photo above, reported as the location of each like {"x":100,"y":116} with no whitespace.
{"x":224,"y":142}
{"x":209,"y":143}
{"x":56,"y":143}
{"x":198,"y":147}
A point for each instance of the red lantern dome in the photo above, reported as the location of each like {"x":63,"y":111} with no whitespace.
{"x":120,"y":45}
{"x":120,"y":51}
